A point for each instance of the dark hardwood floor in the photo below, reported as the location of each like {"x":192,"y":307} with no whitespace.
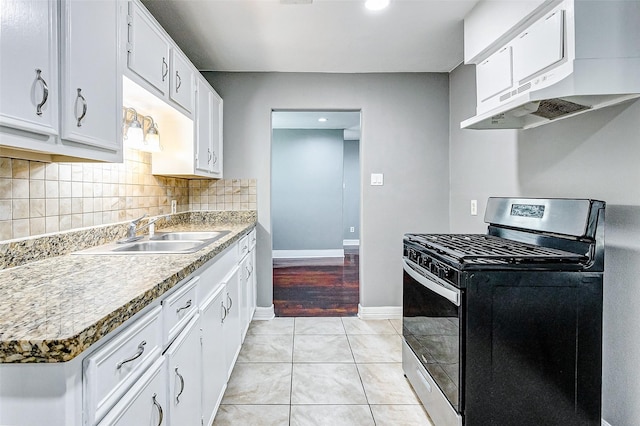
{"x":317,"y":287}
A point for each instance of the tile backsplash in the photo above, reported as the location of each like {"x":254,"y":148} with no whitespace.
{"x":38,"y":198}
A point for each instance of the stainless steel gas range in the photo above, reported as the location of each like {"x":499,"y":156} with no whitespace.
{"x":506,"y":328}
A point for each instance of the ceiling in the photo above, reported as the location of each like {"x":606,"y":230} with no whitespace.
{"x":335,"y":36}
{"x":349,"y":121}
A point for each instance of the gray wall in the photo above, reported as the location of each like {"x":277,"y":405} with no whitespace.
{"x":306,"y":189}
{"x":595,"y":155}
{"x":405,"y":119}
{"x":351,"y":199}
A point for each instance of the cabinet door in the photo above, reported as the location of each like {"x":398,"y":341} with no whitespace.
{"x":29,"y":66}
{"x":231,"y":325}
{"x":148,"y":49}
{"x":214,"y":371}
{"x":146,"y":402}
{"x":203,"y":124}
{"x":184,"y":376}
{"x":540,"y":46}
{"x":245,"y":294}
{"x":216,"y":135}
{"x":254,"y":283}
{"x":181,"y":81}
{"x":91,"y":77}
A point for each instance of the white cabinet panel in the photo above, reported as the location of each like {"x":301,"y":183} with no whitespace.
{"x":184,"y":376}
{"x":540,"y":46}
{"x":146,"y":402}
{"x":231,"y":324}
{"x":214,"y":372}
{"x":494,"y":75}
{"x":181,"y":82}
{"x":91,"y":77}
{"x":208,"y":130}
{"x":28,"y":42}
{"x":148,"y":49}
{"x":178,"y":309}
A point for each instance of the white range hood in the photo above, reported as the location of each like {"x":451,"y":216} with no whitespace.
{"x":589,"y":58}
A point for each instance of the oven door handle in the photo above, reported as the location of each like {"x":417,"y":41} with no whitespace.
{"x":451,"y":295}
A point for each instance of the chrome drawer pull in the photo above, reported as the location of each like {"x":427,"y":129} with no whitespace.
{"x":181,"y":386}
{"x":230,"y":303}
{"x":165,"y":69}
{"x":223,"y":311}
{"x":178,"y":82}
{"x":187,"y":306}
{"x":84,"y":107}
{"x":136,"y":356}
{"x":159,"y":407}
{"x":45,"y":92}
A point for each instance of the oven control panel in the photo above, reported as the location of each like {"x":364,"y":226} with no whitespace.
{"x":433,"y":266}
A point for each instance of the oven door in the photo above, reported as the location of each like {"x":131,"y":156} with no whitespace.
{"x":431,"y":330}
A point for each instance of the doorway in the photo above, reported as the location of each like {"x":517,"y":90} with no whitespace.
{"x":315,"y":211}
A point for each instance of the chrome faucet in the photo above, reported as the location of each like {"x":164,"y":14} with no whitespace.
{"x":133,"y":228}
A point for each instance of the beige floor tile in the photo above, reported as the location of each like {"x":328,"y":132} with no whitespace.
{"x":400,"y":415}
{"x":386,"y":384}
{"x":397,"y":325}
{"x":263,"y":415}
{"x":376,"y":348}
{"x":331,"y":415}
{"x":274,"y":326}
{"x":329,"y":348}
{"x":359,"y":326}
{"x":259,"y":383}
{"x":326,"y":384}
{"x":267,"y":348}
{"x":319,"y":326}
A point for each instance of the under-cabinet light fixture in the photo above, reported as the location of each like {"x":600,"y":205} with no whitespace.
{"x":137,"y":135}
{"x":151,"y":140}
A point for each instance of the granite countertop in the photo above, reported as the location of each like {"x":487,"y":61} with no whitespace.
{"x":52,"y":310}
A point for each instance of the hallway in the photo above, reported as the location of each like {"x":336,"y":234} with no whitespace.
{"x":318,"y":287}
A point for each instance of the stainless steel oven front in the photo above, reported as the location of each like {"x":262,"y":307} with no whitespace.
{"x":432,"y":317}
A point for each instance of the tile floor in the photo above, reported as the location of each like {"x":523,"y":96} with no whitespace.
{"x":321,"y":371}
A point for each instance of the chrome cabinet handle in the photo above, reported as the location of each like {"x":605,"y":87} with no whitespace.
{"x":165,"y":68}
{"x":230,"y":303}
{"x":84,"y":107}
{"x":178,"y":82}
{"x":223,"y":311}
{"x":210,"y":155}
{"x":181,"y":386}
{"x":45,"y":91}
{"x":159,"y":407}
{"x":134,"y":357}
{"x":186,"y":306}
{"x":215,"y":158}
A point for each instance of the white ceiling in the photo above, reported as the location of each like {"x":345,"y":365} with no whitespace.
{"x":349,"y":121}
{"x":324,"y":36}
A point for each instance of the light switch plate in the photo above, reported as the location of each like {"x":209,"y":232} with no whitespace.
{"x":377,"y":179}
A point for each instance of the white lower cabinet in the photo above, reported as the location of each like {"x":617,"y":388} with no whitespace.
{"x":184,"y":377}
{"x":146,"y":402}
{"x":214,"y":372}
{"x":231,"y":322}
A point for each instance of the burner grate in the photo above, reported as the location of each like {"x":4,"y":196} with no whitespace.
{"x":488,"y":249}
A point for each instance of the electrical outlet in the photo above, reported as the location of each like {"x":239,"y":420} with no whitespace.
{"x":174,"y":206}
{"x":352,"y":229}
{"x":474,"y":207}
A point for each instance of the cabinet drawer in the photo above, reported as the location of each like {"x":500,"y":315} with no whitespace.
{"x":178,"y":310}
{"x":243,"y":247}
{"x":112,"y":369}
{"x":145,"y":403}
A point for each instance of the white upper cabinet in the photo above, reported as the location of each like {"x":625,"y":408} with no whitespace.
{"x":60,"y":79}
{"x":148,"y":49}
{"x":540,"y":46}
{"x":29,"y":66}
{"x":208,"y":130}
{"x":91,"y":75}
{"x":181,"y":81}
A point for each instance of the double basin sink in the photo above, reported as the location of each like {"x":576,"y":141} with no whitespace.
{"x":161,"y":243}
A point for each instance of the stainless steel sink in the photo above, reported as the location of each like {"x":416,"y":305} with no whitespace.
{"x":159,"y":246}
{"x":190,"y":235}
{"x":161,"y":243}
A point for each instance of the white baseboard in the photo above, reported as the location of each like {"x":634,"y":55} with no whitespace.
{"x":264,"y":314}
{"x":350,"y":242}
{"x":297,"y":254}
{"x":379,"y":312}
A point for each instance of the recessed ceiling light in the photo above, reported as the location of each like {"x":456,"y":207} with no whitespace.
{"x":322,"y":119}
{"x":376,"y":4}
